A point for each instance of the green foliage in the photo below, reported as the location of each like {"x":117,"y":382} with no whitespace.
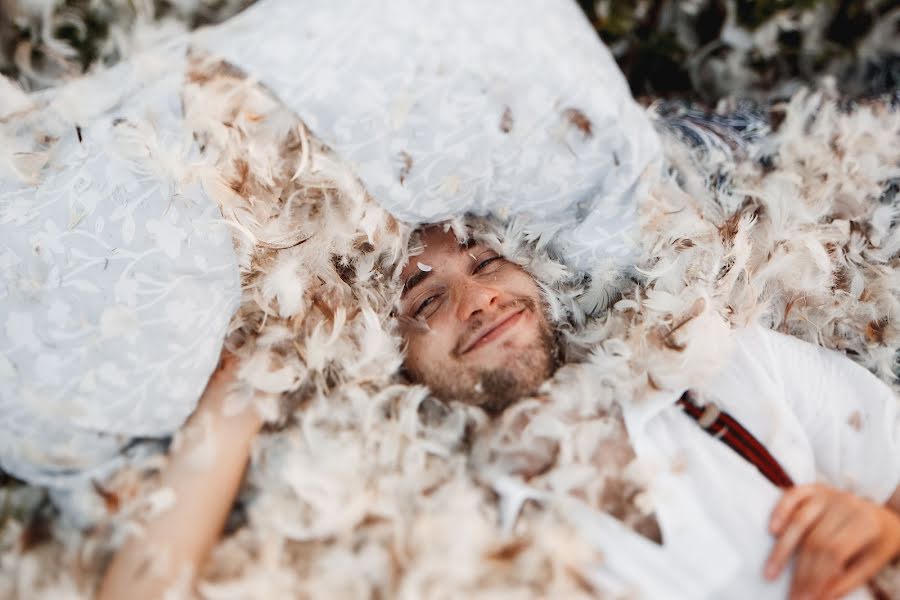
{"x":687,"y":48}
{"x":669,"y":48}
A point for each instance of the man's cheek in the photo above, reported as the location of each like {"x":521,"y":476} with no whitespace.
{"x":430,"y":345}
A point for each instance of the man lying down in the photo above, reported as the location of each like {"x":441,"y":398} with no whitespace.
{"x":773,"y":493}
{"x":476,"y":329}
{"x":776,"y":494}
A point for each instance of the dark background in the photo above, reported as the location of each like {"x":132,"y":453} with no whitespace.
{"x":698,"y":50}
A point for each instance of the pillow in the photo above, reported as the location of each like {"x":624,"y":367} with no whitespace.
{"x":512,"y":107}
{"x":117,"y":278}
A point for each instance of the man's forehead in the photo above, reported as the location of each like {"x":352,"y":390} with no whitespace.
{"x":436,"y":243}
{"x":435,"y":238}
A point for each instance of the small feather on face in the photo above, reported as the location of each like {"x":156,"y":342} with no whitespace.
{"x":423,"y":267}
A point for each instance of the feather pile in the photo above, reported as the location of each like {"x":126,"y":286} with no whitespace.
{"x":365,"y":486}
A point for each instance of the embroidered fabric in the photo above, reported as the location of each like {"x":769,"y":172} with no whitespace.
{"x":509,"y":107}
{"x":117,"y":280}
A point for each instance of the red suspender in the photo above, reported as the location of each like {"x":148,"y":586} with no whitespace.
{"x":720,"y":424}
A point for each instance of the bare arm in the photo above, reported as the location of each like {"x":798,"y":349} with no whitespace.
{"x":187,"y":531}
{"x":894,"y":502}
{"x":839,"y":534}
{"x":840,"y":540}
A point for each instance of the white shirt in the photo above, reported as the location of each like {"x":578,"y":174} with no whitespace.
{"x":822,"y":416}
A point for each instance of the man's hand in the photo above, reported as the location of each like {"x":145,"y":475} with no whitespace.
{"x":840,"y":540}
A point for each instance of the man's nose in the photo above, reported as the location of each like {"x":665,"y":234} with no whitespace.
{"x":474,"y":298}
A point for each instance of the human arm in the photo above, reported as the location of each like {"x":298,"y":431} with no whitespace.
{"x":842,"y":533}
{"x":204,"y":493}
{"x":894,"y":501}
{"x":841,"y":540}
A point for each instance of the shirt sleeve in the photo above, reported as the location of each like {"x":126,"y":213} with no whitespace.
{"x":851,"y":417}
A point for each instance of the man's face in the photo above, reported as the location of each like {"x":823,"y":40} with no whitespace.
{"x":474,"y":324}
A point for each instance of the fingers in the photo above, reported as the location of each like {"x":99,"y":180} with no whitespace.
{"x":858,"y":574}
{"x":824,"y":551}
{"x":839,"y":540}
{"x":801,"y":515}
{"x":789,"y":502}
{"x":803,"y":578}
{"x":851,"y":532}
{"x":883,"y":528}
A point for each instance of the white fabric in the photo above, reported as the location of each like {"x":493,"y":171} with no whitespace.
{"x":117,"y":282}
{"x":116,"y":285}
{"x":823,"y":417}
{"x":418,"y":96}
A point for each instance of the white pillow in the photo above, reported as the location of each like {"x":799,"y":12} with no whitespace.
{"x":117,"y":282}
{"x":510,"y":106}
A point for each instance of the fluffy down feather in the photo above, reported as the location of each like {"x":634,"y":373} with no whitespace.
{"x":368,"y":487}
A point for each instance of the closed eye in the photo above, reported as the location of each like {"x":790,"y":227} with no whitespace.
{"x":425,"y":304}
{"x":486,"y":262}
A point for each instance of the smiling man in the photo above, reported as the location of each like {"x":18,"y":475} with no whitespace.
{"x":816,"y":518}
{"x":477,"y":329}
{"x":808,"y":512}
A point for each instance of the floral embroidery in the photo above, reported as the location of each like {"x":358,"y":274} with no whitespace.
{"x":117,"y":282}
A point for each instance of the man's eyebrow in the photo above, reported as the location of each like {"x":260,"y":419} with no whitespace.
{"x":414,"y":281}
{"x":423,"y":275}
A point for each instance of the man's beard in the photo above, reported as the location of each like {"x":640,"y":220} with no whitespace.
{"x":494,"y":389}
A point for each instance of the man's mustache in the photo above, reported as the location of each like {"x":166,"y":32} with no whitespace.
{"x":476,"y":323}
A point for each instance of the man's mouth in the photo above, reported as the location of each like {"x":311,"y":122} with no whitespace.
{"x":492,"y":331}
